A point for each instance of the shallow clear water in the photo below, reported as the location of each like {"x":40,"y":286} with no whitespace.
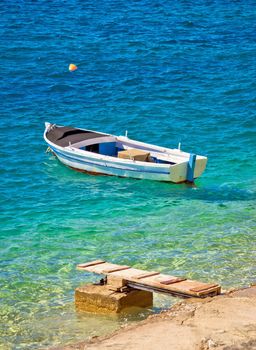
{"x":167,"y":73}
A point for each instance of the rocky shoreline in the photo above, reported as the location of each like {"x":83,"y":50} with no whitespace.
{"x":225,"y":322}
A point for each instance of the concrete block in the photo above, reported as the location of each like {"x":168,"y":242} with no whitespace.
{"x":100,"y":299}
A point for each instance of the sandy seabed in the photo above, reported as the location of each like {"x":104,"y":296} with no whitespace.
{"x":225,"y":322}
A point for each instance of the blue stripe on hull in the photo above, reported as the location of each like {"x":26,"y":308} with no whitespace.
{"x":81,"y":161}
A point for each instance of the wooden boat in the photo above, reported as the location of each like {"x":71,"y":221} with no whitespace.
{"x":100,"y":153}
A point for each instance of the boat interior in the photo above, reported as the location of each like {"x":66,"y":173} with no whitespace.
{"x":114,"y":146}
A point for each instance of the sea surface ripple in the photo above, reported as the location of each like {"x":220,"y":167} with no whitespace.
{"x":167,"y":72}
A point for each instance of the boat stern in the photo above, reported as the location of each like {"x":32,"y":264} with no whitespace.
{"x":188,"y":170}
{"x":200,"y":166}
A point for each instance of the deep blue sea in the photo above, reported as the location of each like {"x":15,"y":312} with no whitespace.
{"x":168,"y":72}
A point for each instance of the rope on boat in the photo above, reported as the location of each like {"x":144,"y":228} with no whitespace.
{"x":49,"y":150}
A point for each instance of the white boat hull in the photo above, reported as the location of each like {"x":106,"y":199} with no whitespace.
{"x":113,"y":169}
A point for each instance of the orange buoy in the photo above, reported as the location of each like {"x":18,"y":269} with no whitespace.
{"x":72,"y":67}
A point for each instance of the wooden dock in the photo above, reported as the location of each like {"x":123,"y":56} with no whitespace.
{"x":151,"y":281}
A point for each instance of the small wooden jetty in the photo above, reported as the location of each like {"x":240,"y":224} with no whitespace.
{"x":120,"y":276}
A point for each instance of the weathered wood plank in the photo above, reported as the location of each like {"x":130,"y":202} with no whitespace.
{"x":91,"y":263}
{"x":101,"y":267}
{"x":151,"y":279}
{"x":202,"y":287}
{"x":146,"y":275}
{"x":128,"y":273}
{"x":173,"y":280}
{"x":115,"y":269}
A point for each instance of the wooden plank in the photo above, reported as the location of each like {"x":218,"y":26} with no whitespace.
{"x":141,"y":286}
{"x":146,"y":274}
{"x":152,"y":280}
{"x":156,"y":282}
{"x":101,"y":267}
{"x":92,"y":263}
{"x":115,"y":269}
{"x":182,"y":287}
{"x":202,"y":287}
{"x":173,"y":280}
{"x":176,"y":287}
{"x":156,"y":278}
{"x":192,"y":288}
{"x":127,"y":274}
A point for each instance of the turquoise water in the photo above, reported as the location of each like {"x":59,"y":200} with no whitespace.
{"x":167,"y":73}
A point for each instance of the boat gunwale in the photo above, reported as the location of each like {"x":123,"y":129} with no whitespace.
{"x":116,"y":160}
{"x":112,"y":159}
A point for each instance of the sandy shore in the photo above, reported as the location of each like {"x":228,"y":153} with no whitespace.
{"x":226,"y":322}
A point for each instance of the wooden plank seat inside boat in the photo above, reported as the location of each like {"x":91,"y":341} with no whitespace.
{"x":134,"y":154}
{"x":152,"y":280}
